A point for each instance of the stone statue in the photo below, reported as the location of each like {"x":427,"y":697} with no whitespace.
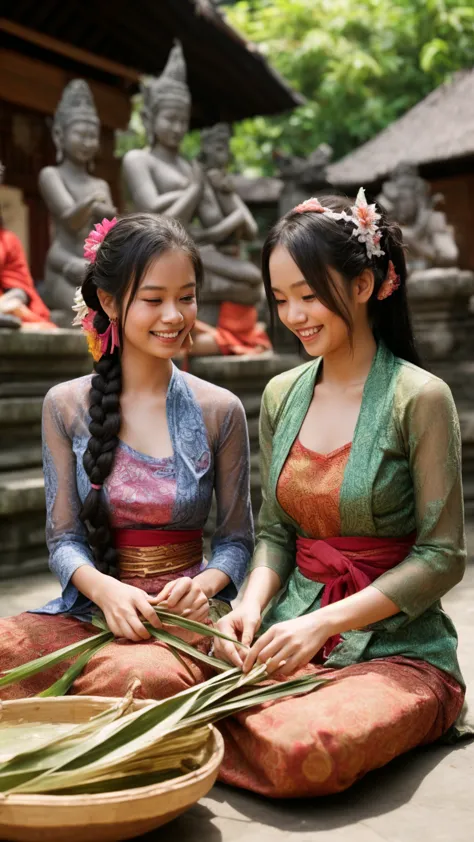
{"x":160,"y":180}
{"x":215,"y":159}
{"x":430,"y":240}
{"x":75,"y":198}
{"x":302,"y":177}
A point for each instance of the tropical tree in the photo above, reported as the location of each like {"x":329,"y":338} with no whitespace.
{"x":359,"y":65}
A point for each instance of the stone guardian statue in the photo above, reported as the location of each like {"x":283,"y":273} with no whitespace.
{"x":429,"y":239}
{"x":75,"y":198}
{"x":160,"y":180}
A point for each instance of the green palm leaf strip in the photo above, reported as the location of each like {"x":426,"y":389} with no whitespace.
{"x":113,"y":749}
{"x":46,"y":661}
{"x":188,"y":648}
{"x":63,"y":684}
{"x":91,"y":645}
{"x":163,"y":740}
{"x":127,"y":734}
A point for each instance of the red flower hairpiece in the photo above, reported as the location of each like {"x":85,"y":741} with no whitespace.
{"x":390,"y":284}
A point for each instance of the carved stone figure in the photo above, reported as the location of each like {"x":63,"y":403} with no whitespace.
{"x":302,"y":177}
{"x":160,"y":180}
{"x":75,"y":198}
{"x":215,"y":158}
{"x":430,"y":240}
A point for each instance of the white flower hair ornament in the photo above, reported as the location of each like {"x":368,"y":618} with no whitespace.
{"x":365,"y":219}
{"x":362,"y":215}
{"x":80,"y":308}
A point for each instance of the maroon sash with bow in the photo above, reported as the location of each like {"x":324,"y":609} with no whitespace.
{"x":346,"y":565}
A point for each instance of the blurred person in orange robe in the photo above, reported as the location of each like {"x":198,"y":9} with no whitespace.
{"x":20,"y":303}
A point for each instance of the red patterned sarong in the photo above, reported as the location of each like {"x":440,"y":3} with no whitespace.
{"x":310,"y":745}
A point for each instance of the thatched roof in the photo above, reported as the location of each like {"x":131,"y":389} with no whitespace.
{"x":439,"y":129}
{"x":229,"y":78}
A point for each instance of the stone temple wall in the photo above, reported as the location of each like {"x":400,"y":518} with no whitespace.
{"x":441,"y":302}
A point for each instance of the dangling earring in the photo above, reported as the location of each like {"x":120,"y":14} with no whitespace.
{"x":114,"y":334}
{"x":188,"y":342}
{"x":59,"y":155}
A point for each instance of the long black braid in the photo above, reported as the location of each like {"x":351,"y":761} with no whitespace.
{"x":122,"y":258}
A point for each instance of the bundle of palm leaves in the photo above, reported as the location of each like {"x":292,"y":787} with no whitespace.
{"x":120,"y":748}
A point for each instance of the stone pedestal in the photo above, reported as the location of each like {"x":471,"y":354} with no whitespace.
{"x":444,"y":328}
{"x":30,"y":363}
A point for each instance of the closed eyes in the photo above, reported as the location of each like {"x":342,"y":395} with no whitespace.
{"x":279,"y":301}
{"x":188,"y":299}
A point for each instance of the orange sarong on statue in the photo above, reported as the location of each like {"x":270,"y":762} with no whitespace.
{"x":237,"y":331}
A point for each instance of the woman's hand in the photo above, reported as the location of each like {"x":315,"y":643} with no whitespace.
{"x":123,"y":606}
{"x":289,"y":645}
{"x":243,"y":622}
{"x":184,"y":596}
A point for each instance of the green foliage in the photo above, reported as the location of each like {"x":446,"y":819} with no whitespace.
{"x":360,"y":65}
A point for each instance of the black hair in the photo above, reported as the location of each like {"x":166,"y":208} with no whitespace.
{"x":121,"y":261}
{"x":317,"y":242}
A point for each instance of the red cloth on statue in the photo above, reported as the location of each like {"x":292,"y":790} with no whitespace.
{"x":15,"y":274}
{"x":237,"y":331}
{"x":346,"y":565}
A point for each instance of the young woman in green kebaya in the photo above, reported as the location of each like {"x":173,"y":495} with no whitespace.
{"x":361,"y":527}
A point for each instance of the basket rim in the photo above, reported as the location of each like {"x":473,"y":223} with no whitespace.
{"x":120,"y":795}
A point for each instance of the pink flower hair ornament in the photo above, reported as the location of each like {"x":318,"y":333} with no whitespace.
{"x":98,"y":343}
{"x":96,"y":236}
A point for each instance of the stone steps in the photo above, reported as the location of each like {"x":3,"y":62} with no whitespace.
{"x":22,"y":520}
{"x":30,"y":364}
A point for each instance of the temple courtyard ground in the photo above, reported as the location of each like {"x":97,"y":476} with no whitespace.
{"x":424,"y":796}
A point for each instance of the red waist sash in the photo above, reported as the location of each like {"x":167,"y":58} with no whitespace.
{"x":154,"y":537}
{"x":346,"y":565}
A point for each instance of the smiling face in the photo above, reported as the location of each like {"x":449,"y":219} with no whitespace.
{"x":163,"y":311}
{"x":81,"y":141}
{"x":321,"y":331}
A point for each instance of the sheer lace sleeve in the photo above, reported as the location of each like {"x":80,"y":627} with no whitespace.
{"x":233,"y":540}
{"x":436,"y":563}
{"x":276,"y":547}
{"x":65,"y":534}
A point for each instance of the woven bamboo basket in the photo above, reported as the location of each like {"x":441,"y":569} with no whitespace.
{"x":104,"y":817}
